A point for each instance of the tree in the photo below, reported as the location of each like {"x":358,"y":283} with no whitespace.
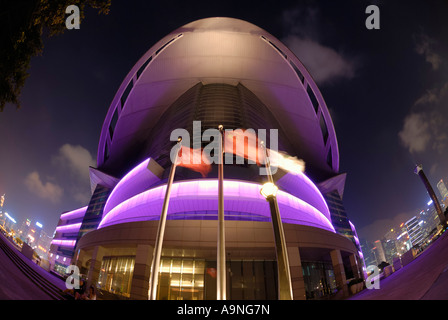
{"x":22,"y":24}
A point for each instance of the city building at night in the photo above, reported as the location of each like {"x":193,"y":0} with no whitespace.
{"x":414,"y":231}
{"x":219,"y":71}
{"x":443,"y":192}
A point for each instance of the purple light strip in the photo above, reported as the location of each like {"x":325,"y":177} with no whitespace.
{"x":199,"y":195}
{"x":302,"y":187}
{"x":78,"y":213}
{"x":69,"y":227}
{"x":134,"y":182}
{"x":64,"y":243}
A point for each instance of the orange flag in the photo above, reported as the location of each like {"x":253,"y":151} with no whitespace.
{"x":195,"y":160}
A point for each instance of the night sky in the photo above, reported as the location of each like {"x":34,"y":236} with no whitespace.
{"x":387,"y":91}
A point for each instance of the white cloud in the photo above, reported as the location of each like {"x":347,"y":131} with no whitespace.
{"x":425,"y":127}
{"x":302,"y":36}
{"x":433,"y":96}
{"x":424,"y":45}
{"x":48,"y":190}
{"x":76,"y":159}
{"x":415,"y":134}
{"x":324,"y":63}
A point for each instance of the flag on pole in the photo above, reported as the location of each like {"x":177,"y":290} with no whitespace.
{"x":194,"y":159}
{"x":245,"y":143}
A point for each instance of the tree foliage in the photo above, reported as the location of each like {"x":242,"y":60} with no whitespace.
{"x":22,"y":23}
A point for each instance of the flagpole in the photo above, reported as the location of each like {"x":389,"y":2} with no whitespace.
{"x":283,"y":272}
{"x":154,"y":278}
{"x":221,"y":247}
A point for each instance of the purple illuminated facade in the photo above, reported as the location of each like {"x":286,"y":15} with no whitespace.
{"x":217,"y":71}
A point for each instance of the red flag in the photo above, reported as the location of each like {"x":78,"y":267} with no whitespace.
{"x":195,"y":160}
{"x":244,"y":143}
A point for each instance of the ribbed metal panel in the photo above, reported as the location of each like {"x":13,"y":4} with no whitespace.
{"x":235,"y":107}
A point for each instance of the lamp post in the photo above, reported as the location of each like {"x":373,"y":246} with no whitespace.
{"x":419,"y":171}
{"x":269,"y":192}
{"x":221,"y":245}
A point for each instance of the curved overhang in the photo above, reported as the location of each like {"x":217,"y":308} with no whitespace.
{"x":74,"y":214}
{"x":134,"y":182}
{"x":221,"y":50}
{"x":196,"y":197}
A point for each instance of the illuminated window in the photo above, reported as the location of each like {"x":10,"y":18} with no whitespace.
{"x":116,"y":274}
{"x":181,"y":279}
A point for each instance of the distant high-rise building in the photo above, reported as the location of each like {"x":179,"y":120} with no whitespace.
{"x":378,"y":251}
{"x":442,"y":189}
{"x":443,"y":192}
{"x":419,"y":171}
{"x":369,"y":257}
{"x":414,"y":231}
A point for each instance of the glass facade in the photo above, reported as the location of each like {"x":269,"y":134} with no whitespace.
{"x":116,"y":274}
{"x":94,"y":212}
{"x":181,"y":279}
{"x":339,"y":218}
{"x":253,"y":280}
{"x":320,"y":282}
{"x":195,"y":279}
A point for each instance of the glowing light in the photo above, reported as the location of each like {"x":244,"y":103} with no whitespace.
{"x":9,"y":217}
{"x":78,"y":213}
{"x":69,"y":227}
{"x":64,"y":243}
{"x":268,"y":189}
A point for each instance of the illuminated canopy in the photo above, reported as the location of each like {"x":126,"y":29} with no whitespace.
{"x":242,"y":201}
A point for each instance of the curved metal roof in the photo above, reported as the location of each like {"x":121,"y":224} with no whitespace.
{"x":221,"y":50}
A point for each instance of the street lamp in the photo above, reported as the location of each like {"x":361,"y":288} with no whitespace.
{"x":269,"y":192}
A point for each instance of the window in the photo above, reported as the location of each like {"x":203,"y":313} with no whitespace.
{"x":323,"y":128}
{"x":329,"y":158}
{"x":116,"y":274}
{"x":181,"y":279}
{"x":142,"y":68}
{"x":313,"y":99}
{"x":162,"y":47}
{"x":126,"y":93}
{"x":113,"y":123}
{"x":275,"y":47}
{"x":299,"y":74}
{"x":319,"y":279}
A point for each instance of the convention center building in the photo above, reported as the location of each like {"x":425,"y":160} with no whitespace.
{"x":219,"y":71}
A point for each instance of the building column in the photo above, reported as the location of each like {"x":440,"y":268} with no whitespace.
{"x":339,"y":272}
{"x":142,"y":272}
{"x":78,"y":260}
{"x":355,"y":267}
{"x":295,"y":267}
{"x":95,"y":266}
